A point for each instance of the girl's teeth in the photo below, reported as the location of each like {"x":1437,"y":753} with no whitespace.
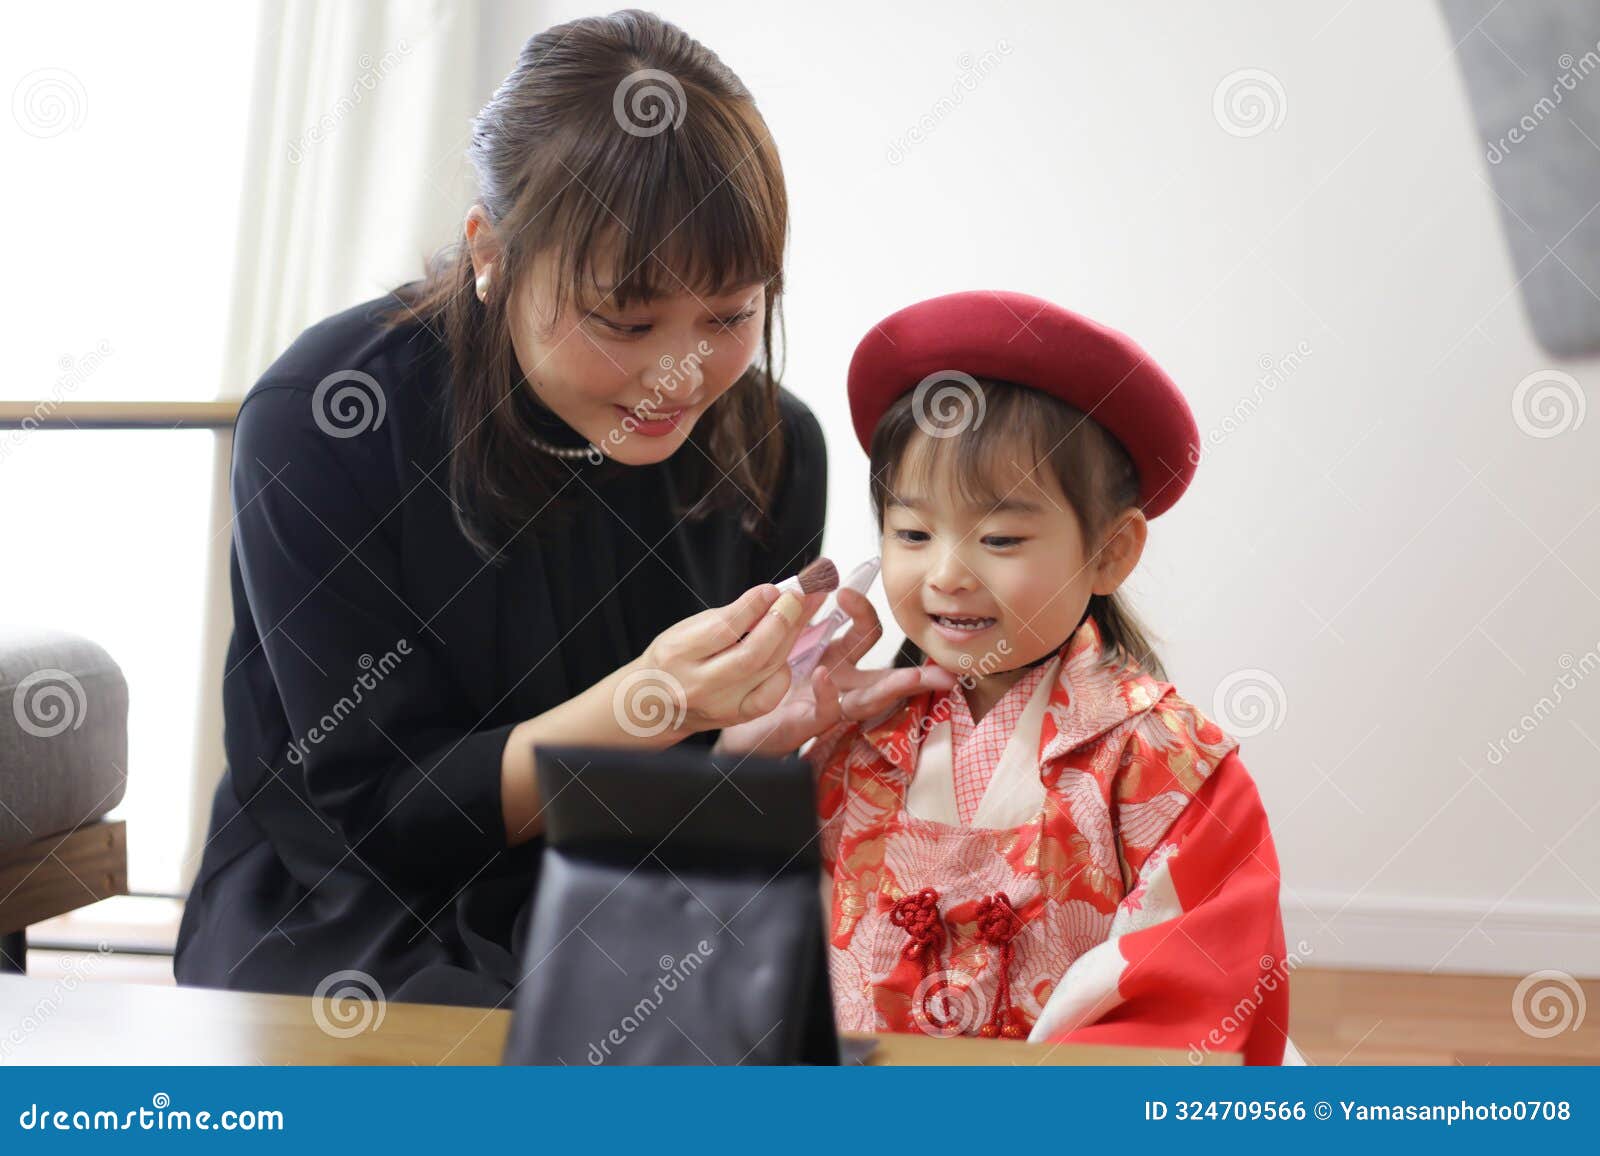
{"x":964,"y":623}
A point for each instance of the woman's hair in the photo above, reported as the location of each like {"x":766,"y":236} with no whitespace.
{"x":1016,"y":424}
{"x":630,"y":154}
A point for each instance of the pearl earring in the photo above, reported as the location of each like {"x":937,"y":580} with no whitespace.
{"x":483,"y":283}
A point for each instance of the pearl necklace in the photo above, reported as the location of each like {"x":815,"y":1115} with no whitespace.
{"x":591,"y":452}
{"x":571,"y":453}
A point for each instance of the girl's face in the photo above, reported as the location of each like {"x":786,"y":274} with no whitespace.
{"x":995,"y":587}
{"x":632,"y":381}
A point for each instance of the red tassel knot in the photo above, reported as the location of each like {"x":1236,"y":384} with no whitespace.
{"x":998,"y":924}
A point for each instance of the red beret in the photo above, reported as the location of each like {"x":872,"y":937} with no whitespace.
{"x":1026,"y":340}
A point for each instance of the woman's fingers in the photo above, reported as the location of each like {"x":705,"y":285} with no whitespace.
{"x":766,"y":648}
{"x":889,"y":687}
{"x":731,"y":661}
{"x":813,"y":602}
{"x":766,"y":696}
{"x":713,"y":631}
{"x":762,"y":657}
{"x":740,"y":653}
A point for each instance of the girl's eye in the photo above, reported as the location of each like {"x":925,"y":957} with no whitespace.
{"x":911,"y":537}
{"x":1002,"y":542}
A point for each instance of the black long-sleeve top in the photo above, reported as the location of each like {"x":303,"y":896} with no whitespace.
{"x":378,"y":664}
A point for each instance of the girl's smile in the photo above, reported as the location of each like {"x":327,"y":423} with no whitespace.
{"x":961,"y":629}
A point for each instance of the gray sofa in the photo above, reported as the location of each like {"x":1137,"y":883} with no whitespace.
{"x":63,"y":766}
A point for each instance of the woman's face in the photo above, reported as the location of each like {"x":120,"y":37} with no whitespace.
{"x":634,"y":381}
{"x":991,"y":588}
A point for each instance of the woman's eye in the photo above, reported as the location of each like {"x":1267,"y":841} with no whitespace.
{"x":622,"y":326}
{"x":1001,"y":541}
{"x":736,"y":319}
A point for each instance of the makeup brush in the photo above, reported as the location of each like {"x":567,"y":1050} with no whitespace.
{"x":814,"y":639}
{"x":820,"y":576}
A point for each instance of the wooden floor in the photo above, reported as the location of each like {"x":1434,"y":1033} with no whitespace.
{"x":1379,"y":1017}
{"x":1336,"y":1017}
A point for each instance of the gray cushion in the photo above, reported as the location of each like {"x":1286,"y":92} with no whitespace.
{"x":63,"y":733}
{"x":1529,"y":76}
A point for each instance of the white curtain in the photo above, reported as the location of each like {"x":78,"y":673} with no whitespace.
{"x":355,"y":173}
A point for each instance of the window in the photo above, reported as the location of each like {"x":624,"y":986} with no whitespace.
{"x":124,"y":159}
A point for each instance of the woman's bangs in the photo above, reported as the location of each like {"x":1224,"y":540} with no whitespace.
{"x":674,"y":213}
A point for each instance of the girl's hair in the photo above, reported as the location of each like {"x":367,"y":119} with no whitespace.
{"x":1014,"y":424}
{"x":630,"y":154}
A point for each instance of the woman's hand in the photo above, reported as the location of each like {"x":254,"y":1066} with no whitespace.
{"x":718,"y":668}
{"x":837,"y":690}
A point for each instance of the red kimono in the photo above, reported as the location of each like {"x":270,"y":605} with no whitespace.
{"x":1116,"y":883}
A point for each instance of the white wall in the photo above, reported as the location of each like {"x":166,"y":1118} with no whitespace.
{"x":1378,"y":537}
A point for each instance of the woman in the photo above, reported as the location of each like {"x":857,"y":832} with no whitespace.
{"x":538,"y":497}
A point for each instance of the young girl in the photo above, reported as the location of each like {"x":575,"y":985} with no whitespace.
{"x":1061,"y":848}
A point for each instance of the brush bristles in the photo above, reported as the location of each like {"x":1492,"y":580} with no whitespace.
{"x":819,"y":577}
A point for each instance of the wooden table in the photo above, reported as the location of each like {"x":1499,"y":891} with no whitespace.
{"x":82,"y":1022}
